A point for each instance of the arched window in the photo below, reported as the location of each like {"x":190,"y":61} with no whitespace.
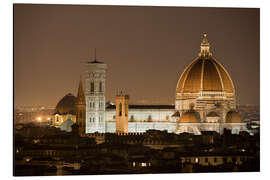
{"x":120,"y":109}
{"x":100,"y":86}
{"x":132,"y":118}
{"x":149,"y":118}
{"x":92,"y":87}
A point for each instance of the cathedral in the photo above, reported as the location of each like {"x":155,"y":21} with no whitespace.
{"x":204,"y":101}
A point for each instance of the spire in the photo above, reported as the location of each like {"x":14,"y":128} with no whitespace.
{"x":95,"y":57}
{"x":205,"y":47}
{"x":80,"y":95}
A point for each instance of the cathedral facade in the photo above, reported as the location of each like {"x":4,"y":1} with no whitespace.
{"x":205,"y":101}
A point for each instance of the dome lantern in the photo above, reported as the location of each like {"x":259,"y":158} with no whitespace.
{"x":205,"y":47}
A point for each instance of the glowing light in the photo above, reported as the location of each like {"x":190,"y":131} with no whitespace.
{"x":144,"y":164}
{"x":39,"y":118}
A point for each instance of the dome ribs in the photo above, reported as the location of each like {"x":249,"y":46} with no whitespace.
{"x":211,"y":80}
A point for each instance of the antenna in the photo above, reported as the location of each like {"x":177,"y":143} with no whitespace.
{"x":95,"y":57}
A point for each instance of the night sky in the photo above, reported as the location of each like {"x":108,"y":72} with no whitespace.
{"x":146,"y":49}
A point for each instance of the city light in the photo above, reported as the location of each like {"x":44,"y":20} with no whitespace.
{"x":39,"y":119}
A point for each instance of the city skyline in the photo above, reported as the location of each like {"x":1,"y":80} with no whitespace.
{"x":48,"y":53}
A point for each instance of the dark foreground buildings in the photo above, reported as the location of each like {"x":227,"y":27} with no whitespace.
{"x":41,"y":150}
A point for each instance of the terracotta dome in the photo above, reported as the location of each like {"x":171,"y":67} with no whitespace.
{"x":205,"y":74}
{"x":66,"y":105}
{"x":233,"y":117}
{"x":190,"y":117}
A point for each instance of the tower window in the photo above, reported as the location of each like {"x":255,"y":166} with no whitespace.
{"x":92,"y":87}
{"x":120,"y":109}
{"x":100,"y":86}
{"x":149,"y":118}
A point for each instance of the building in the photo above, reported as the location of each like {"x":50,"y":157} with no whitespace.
{"x":121,"y":101}
{"x":206,"y":90}
{"x":205,"y":101}
{"x":64,"y":109}
{"x":95,"y":79}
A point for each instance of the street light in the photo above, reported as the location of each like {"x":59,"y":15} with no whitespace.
{"x":49,"y":120}
{"x":39,"y":120}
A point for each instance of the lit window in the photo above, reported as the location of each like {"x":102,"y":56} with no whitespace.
{"x":143,"y":164}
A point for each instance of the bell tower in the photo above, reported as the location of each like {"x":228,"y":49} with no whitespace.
{"x":95,"y":96}
{"x":121,"y":102}
{"x":80,"y":109}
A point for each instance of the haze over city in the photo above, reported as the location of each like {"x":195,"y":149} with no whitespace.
{"x":146,"y":49}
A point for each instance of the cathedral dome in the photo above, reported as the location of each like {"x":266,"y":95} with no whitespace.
{"x":190,"y":117}
{"x":233,"y":117}
{"x":66,"y":105}
{"x":205,"y":74}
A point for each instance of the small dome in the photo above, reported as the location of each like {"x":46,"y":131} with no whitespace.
{"x":66,"y":105}
{"x":190,"y":117}
{"x":233,"y":117}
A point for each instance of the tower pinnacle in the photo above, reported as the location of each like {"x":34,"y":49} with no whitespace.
{"x":205,"y":47}
{"x":80,"y":95}
{"x":95,"y":57}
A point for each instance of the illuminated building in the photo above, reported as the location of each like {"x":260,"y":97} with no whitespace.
{"x":64,"y":109}
{"x":205,"y":88}
{"x":121,"y":113}
{"x":205,"y":101}
{"x":80,"y":105}
{"x":95,"y":96}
